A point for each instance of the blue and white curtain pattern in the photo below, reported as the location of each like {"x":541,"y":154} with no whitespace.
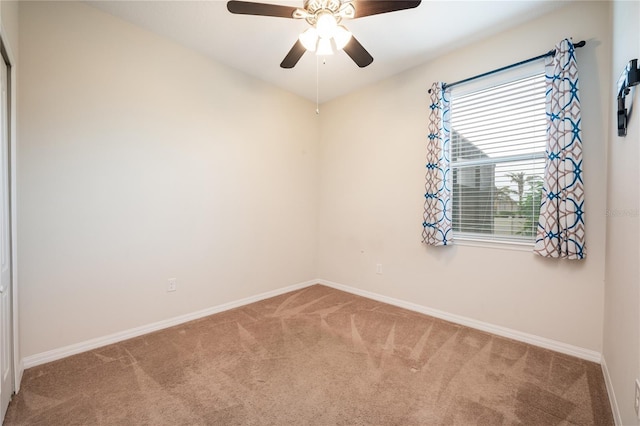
{"x":437,"y":204}
{"x":561,"y":229}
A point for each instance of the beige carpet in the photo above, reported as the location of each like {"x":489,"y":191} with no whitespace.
{"x":317,"y":356}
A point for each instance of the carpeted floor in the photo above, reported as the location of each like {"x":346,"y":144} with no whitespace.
{"x":317,"y":356}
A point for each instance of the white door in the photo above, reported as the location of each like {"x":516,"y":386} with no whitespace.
{"x":6,"y":338}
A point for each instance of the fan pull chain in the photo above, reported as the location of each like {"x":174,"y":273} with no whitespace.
{"x":324,"y":62}
{"x":317,"y":85}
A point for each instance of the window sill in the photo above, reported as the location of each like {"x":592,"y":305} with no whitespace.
{"x":473,"y":241}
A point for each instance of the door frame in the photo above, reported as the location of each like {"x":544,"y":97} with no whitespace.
{"x":9,"y":57}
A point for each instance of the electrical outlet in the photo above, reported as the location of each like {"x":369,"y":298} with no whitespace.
{"x":171,"y":286}
{"x":379,"y":268}
{"x":637,"y":401}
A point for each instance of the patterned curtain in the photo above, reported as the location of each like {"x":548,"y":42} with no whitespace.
{"x":561,"y":232}
{"x":437,"y":205}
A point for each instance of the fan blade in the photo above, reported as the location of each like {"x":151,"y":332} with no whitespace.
{"x":358,"y":53}
{"x":262,"y":9}
{"x":375,"y":7}
{"x":293,"y":56}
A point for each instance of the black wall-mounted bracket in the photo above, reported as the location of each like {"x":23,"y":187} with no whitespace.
{"x":629,"y":78}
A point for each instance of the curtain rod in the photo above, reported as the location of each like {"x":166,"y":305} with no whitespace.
{"x":526,"y":61}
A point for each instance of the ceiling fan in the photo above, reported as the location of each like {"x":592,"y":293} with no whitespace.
{"x":324,"y":16}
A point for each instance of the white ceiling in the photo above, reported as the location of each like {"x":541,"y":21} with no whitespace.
{"x":256,"y":45}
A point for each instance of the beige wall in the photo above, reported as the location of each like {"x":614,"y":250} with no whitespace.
{"x":140,"y":161}
{"x":372,"y":182}
{"x":622,"y":290}
{"x":9,"y":18}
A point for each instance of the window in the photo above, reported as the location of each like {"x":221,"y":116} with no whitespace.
{"x":497,"y":160}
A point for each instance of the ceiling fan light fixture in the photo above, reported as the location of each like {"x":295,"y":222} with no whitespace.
{"x":341,"y":36}
{"x":324,"y":47}
{"x":326,"y":25}
{"x":309,"y":39}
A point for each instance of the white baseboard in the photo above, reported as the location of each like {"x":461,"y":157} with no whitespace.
{"x":543,"y":342}
{"x":617,"y":418}
{"x":55,"y":354}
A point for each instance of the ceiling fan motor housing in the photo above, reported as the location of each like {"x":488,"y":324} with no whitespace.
{"x":339,"y":9}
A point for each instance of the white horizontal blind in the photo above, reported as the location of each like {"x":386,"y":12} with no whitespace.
{"x":497,"y":160}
